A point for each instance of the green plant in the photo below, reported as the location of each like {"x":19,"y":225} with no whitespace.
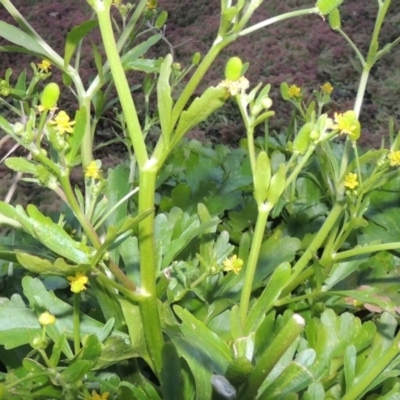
{"x":178,"y":290}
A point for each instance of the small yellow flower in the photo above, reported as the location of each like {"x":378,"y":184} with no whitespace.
{"x":116,"y":3}
{"x":93,"y":170}
{"x":62,"y":123}
{"x":347,"y":124}
{"x":44,"y":66}
{"x":96,"y":396}
{"x":78,"y":282}
{"x":350,"y":181}
{"x":327,"y":88}
{"x":234,"y":264}
{"x":394,"y":157}
{"x":151,"y":4}
{"x":235,"y":87}
{"x":46,"y":319}
{"x":294,"y":91}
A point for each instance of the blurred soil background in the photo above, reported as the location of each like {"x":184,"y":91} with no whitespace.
{"x":302,"y":51}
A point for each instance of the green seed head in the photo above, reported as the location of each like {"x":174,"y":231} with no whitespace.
{"x":327,"y":6}
{"x":233,"y":69}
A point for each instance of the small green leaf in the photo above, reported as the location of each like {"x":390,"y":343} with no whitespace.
{"x":201,"y":107}
{"x":164,"y":99}
{"x":75,"y":140}
{"x":271,"y":293}
{"x":20,"y":164}
{"x":76,"y":371}
{"x":74,"y":36}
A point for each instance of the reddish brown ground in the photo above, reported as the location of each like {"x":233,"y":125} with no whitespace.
{"x":301,"y":51}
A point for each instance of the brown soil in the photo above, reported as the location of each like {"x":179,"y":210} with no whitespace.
{"x":300,"y":51}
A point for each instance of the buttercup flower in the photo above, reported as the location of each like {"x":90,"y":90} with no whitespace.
{"x":234,"y":264}
{"x":234,"y":87}
{"x":44,"y":66}
{"x":294,"y":91}
{"x":93,"y":170}
{"x":350,"y":181}
{"x":46,"y":319}
{"x":78,"y":282}
{"x":96,"y":396}
{"x":327,"y":88}
{"x":151,"y":4}
{"x":62,"y":123}
{"x":347,"y":124}
{"x":394,"y":157}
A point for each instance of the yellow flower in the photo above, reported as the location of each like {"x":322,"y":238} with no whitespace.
{"x":294,"y":91}
{"x":347,"y":124}
{"x":96,"y":396}
{"x":93,"y":170}
{"x":46,"y":319}
{"x":62,"y":123}
{"x":116,"y":3}
{"x":44,"y":66}
{"x":233,"y":264}
{"x":234,"y":87}
{"x":350,"y":181}
{"x":327,"y":88}
{"x":394,"y":157}
{"x":151,"y":4}
{"x":78,"y":282}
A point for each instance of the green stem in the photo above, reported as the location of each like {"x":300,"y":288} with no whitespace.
{"x":358,"y":251}
{"x":270,"y":21}
{"x":149,"y":306}
{"x":122,"y":86}
{"x":312,"y":249}
{"x":300,"y":166}
{"x":263,"y":212}
{"x":77,"y":325}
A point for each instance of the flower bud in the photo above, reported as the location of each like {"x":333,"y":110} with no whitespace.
{"x":233,"y":69}
{"x":50,"y":96}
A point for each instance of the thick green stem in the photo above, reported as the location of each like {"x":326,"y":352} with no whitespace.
{"x":312,"y":249}
{"x":77,"y":329}
{"x":149,"y":306}
{"x":263,"y":212}
{"x":122,"y":86}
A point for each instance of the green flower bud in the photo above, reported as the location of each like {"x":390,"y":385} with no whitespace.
{"x":196,"y":58}
{"x":334,"y":19}
{"x":233,"y":69}
{"x":50,"y":96}
{"x":327,"y":6}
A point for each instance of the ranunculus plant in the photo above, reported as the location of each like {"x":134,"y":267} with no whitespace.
{"x":192,"y":271}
